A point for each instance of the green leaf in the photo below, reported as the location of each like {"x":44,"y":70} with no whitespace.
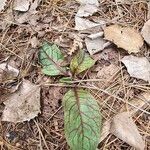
{"x":81,"y":62}
{"x":51,"y":57}
{"x":82,"y":120}
{"x":65,"y":80}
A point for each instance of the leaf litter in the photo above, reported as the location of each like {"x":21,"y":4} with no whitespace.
{"x":21,"y":5}
{"x":138,"y":67}
{"x":146,"y":32}
{"x":83,"y":24}
{"x":87,"y":8}
{"x":124,"y":128}
{"x":30,"y":15}
{"x":22,"y":105}
{"x":95,"y":43}
{"x":124,"y":37}
{"x":61,"y":24}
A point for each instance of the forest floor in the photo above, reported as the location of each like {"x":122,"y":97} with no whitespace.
{"x":21,"y":36}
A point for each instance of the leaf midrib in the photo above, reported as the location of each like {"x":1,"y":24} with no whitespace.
{"x":54,"y":63}
{"x":78,"y":106}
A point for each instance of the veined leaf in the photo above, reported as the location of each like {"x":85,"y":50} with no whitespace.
{"x":82,"y":120}
{"x":81,"y":62}
{"x":51,"y":57}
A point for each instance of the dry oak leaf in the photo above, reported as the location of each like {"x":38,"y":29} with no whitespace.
{"x":138,"y":67}
{"x":22,"y":105}
{"x":146,"y":32}
{"x":123,"y":127}
{"x":124,"y":37}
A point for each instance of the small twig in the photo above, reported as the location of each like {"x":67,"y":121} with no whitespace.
{"x":40,"y":132}
{"x":53,"y":114}
{"x":10,"y":51}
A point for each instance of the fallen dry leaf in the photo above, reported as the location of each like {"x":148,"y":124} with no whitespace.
{"x":8,"y":76}
{"x":22,"y":105}
{"x":31,"y":15}
{"x":96,"y":45}
{"x":123,"y":127}
{"x":96,"y":35}
{"x":9,"y":69}
{"x":83,"y":24}
{"x":7,"y":73}
{"x":87,"y":8}
{"x":21,"y":5}
{"x":124,"y":37}
{"x":138,"y":67}
{"x":7,"y":20}
{"x":141,"y":102}
{"x":146,"y":31}
{"x":2,"y":4}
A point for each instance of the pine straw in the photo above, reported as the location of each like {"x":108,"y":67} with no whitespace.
{"x":46,"y":131}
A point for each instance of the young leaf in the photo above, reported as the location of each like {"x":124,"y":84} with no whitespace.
{"x":82,"y":120}
{"x":81,"y":62}
{"x":51,"y":57}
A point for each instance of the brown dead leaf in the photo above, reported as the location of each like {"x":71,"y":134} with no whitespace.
{"x":124,"y":128}
{"x":141,"y":102}
{"x":124,"y":37}
{"x":22,"y":105}
{"x":7,"y":73}
{"x":138,"y":67}
{"x":146,"y":32}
